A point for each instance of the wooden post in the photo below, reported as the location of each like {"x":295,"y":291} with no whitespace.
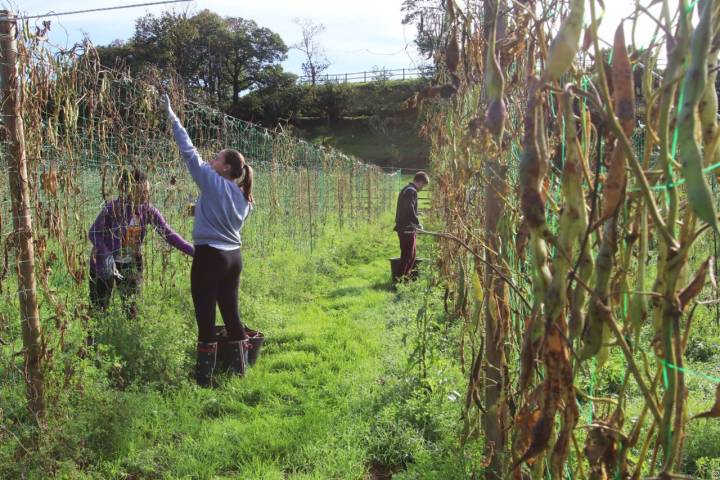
{"x":22,"y":221}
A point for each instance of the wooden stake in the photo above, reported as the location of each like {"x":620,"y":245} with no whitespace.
{"x":22,"y":221}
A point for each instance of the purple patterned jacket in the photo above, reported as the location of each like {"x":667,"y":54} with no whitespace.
{"x":107,"y":232}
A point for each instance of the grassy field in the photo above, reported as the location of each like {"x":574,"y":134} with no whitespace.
{"x":337,"y":393}
{"x":356,"y":381}
{"x":399,"y":146}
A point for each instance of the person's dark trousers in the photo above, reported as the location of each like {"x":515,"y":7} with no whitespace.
{"x":100,"y":293}
{"x":129,"y":287}
{"x":215,"y":280}
{"x":407,"y":252}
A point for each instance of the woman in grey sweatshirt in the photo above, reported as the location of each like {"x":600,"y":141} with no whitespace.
{"x":224,"y":204}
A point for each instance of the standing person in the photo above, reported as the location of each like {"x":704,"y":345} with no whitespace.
{"x":406,"y":221}
{"x":221,"y":210}
{"x":117,"y":236}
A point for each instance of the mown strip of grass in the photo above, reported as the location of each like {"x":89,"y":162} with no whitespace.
{"x":333,"y":395}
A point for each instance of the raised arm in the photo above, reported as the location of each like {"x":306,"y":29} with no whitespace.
{"x":171,"y":236}
{"x":200,"y":171}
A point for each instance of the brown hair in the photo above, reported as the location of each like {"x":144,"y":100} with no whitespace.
{"x":246,"y":183}
{"x":240,"y":171}
{"x":129,"y":177}
{"x":421,"y":177}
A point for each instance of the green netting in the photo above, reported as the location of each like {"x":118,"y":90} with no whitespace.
{"x":84,"y":122}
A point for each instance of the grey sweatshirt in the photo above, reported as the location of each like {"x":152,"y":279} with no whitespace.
{"x":221,"y":208}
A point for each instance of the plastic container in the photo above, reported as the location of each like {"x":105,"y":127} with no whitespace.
{"x":395,"y":269}
{"x":224,"y":356}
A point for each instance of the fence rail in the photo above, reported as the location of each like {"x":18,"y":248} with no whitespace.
{"x":377,"y":75}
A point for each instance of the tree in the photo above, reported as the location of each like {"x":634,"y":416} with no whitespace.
{"x":333,"y":100}
{"x":167,"y":41}
{"x":217,"y":57}
{"x":116,"y":52}
{"x":253,"y":57}
{"x":316,"y":60}
{"x":428,"y":16}
{"x":281,"y":100}
{"x":211,"y":50}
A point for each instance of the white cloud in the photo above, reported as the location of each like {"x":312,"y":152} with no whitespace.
{"x":358,"y":35}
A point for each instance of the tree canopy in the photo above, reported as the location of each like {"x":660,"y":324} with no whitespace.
{"x":220,"y":57}
{"x":428,"y":16}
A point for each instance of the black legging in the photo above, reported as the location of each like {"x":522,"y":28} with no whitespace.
{"x":214,"y":280}
{"x":129,"y":286}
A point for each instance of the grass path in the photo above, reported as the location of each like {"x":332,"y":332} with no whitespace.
{"x":336,"y":394}
{"x":305,"y":410}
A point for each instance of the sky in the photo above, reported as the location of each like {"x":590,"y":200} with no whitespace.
{"x":359,"y":36}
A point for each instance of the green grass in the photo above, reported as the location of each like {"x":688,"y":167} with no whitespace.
{"x":398,"y":146}
{"x":335,"y":393}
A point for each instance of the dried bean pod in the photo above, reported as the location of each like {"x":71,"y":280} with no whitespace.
{"x":596,"y":327}
{"x":494,"y":87}
{"x":624,"y":105}
{"x":579,"y":295}
{"x":708,"y":108}
{"x":572,"y":218}
{"x":572,"y":225}
{"x":566,"y":43}
{"x":698,"y":191}
{"x":533,"y":167}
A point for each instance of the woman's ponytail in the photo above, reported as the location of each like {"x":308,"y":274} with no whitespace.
{"x":240,"y":171}
{"x":246,"y":182}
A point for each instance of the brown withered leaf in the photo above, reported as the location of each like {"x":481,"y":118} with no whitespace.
{"x":696,"y":284}
{"x":714,"y":412}
{"x":589,"y":35}
{"x":527,"y":418}
{"x":540,"y":437}
{"x":452,"y":52}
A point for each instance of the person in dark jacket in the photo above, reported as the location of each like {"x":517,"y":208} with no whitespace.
{"x":406,"y":221}
{"x":117,"y":236}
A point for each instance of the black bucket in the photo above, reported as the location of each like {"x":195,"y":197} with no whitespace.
{"x":224,"y":352}
{"x":395,"y":269}
{"x":224,"y":355}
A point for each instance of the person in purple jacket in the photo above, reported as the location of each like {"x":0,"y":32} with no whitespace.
{"x":117,"y":237}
